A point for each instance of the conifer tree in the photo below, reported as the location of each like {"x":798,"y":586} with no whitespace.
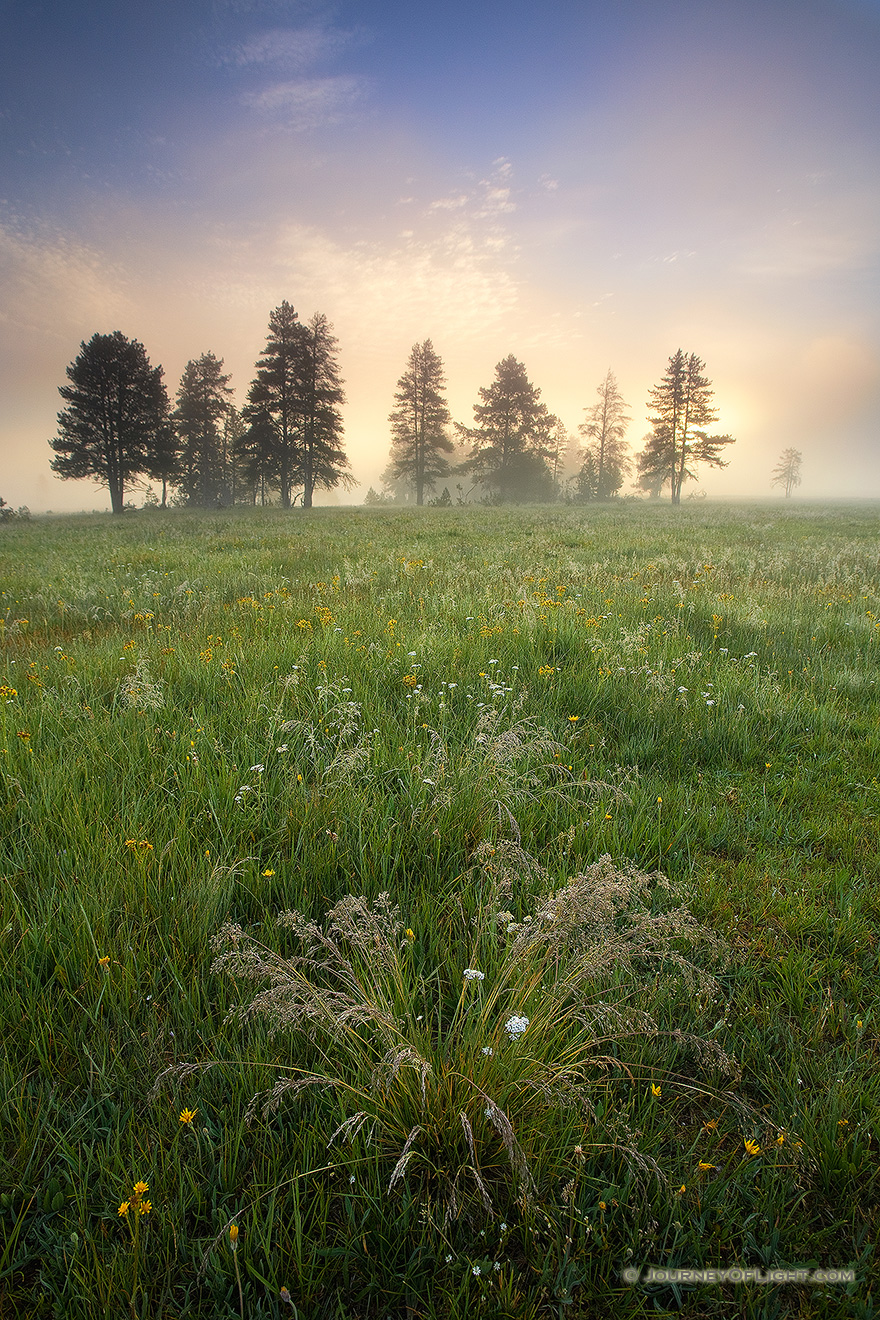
{"x":203,"y":400}
{"x":116,"y":418}
{"x":682,"y":409}
{"x":787,"y":472}
{"x":323,"y":463}
{"x":512,"y":438}
{"x":275,"y":401}
{"x":606,"y":458}
{"x":419,"y":423}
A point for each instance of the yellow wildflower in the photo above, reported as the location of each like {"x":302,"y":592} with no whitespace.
{"x":268,"y":871}
{"x":140,"y":1188}
{"x":704,"y":1165}
{"x":144,"y":1207}
{"x":124,"y":1209}
{"x":751,"y":1146}
{"x":187,"y":1115}
{"x":655,"y":1090}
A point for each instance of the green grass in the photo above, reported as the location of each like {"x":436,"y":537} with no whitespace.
{"x":212,"y":720}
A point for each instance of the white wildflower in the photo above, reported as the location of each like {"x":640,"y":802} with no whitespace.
{"x":471,"y":974}
{"x":515,"y":1026}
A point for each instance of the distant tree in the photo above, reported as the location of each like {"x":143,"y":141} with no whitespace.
{"x":787,"y":472}
{"x":116,"y":417}
{"x":606,"y":460}
{"x":323,"y":463}
{"x":203,"y":400}
{"x":682,"y":409}
{"x":419,"y":422}
{"x":560,"y":443}
{"x":513,"y":437}
{"x":374,"y":496}
{"x":275,"y":400}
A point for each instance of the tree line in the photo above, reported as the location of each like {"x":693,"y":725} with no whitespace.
{"x":119,"y":428}
{"x":514,"y":448}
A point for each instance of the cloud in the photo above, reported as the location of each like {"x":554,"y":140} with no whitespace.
{"x":451,"y":283}
{"x":54,"y":286}
{"x":307,"y":102}
{"x":292,"y":49}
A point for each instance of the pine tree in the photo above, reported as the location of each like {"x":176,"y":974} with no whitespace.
{"x":202,"y":403}
{"x":419,"y":423}
{"x":323,"y":463}
{"x":787,"y":472}
{"x":275,"y":401}
{"x":116,"y":419}
{"x":513,"y":436}
{"x":682,"y":409}
{"x":606,"y":453}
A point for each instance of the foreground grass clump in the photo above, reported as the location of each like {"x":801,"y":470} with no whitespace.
{"x":415,"y":731}
{"x":479,"y":1097}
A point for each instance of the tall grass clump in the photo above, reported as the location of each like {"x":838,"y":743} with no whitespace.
{"x":498,"y":1085}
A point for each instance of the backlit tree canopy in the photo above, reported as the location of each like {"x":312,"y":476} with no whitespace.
{"x":117,"y":417}
{"x":681,"y":410}
{"x":203,"y":401}
{"x":606,"y":458}
{"x":419,"y":423}
{"x":293,"y":409}
{"x":512,"y":438}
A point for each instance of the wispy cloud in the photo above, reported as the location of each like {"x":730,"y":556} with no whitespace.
{"x":307,"y":103}
{"x":53,"y":286}
{"x":292,"y":49}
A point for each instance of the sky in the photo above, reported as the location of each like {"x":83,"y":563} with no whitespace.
{"x":589,"y":186}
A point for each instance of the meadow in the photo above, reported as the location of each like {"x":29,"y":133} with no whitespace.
{"x":438,"y":913}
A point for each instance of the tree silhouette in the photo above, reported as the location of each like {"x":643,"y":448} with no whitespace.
{"x":419,"y":423}
{"x":787,"y":472}
{"x":117,"y":417}
{"x":682,"y":409}
{"x":203,"y":401}
{"x":606,"y":453}
{"x":275,"y":402}
{"x":513,"y":436}
{"x":323,"y":462}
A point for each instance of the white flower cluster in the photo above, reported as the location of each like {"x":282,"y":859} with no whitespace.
{"x":471,"y":974}
{"x":515,"y":1026}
